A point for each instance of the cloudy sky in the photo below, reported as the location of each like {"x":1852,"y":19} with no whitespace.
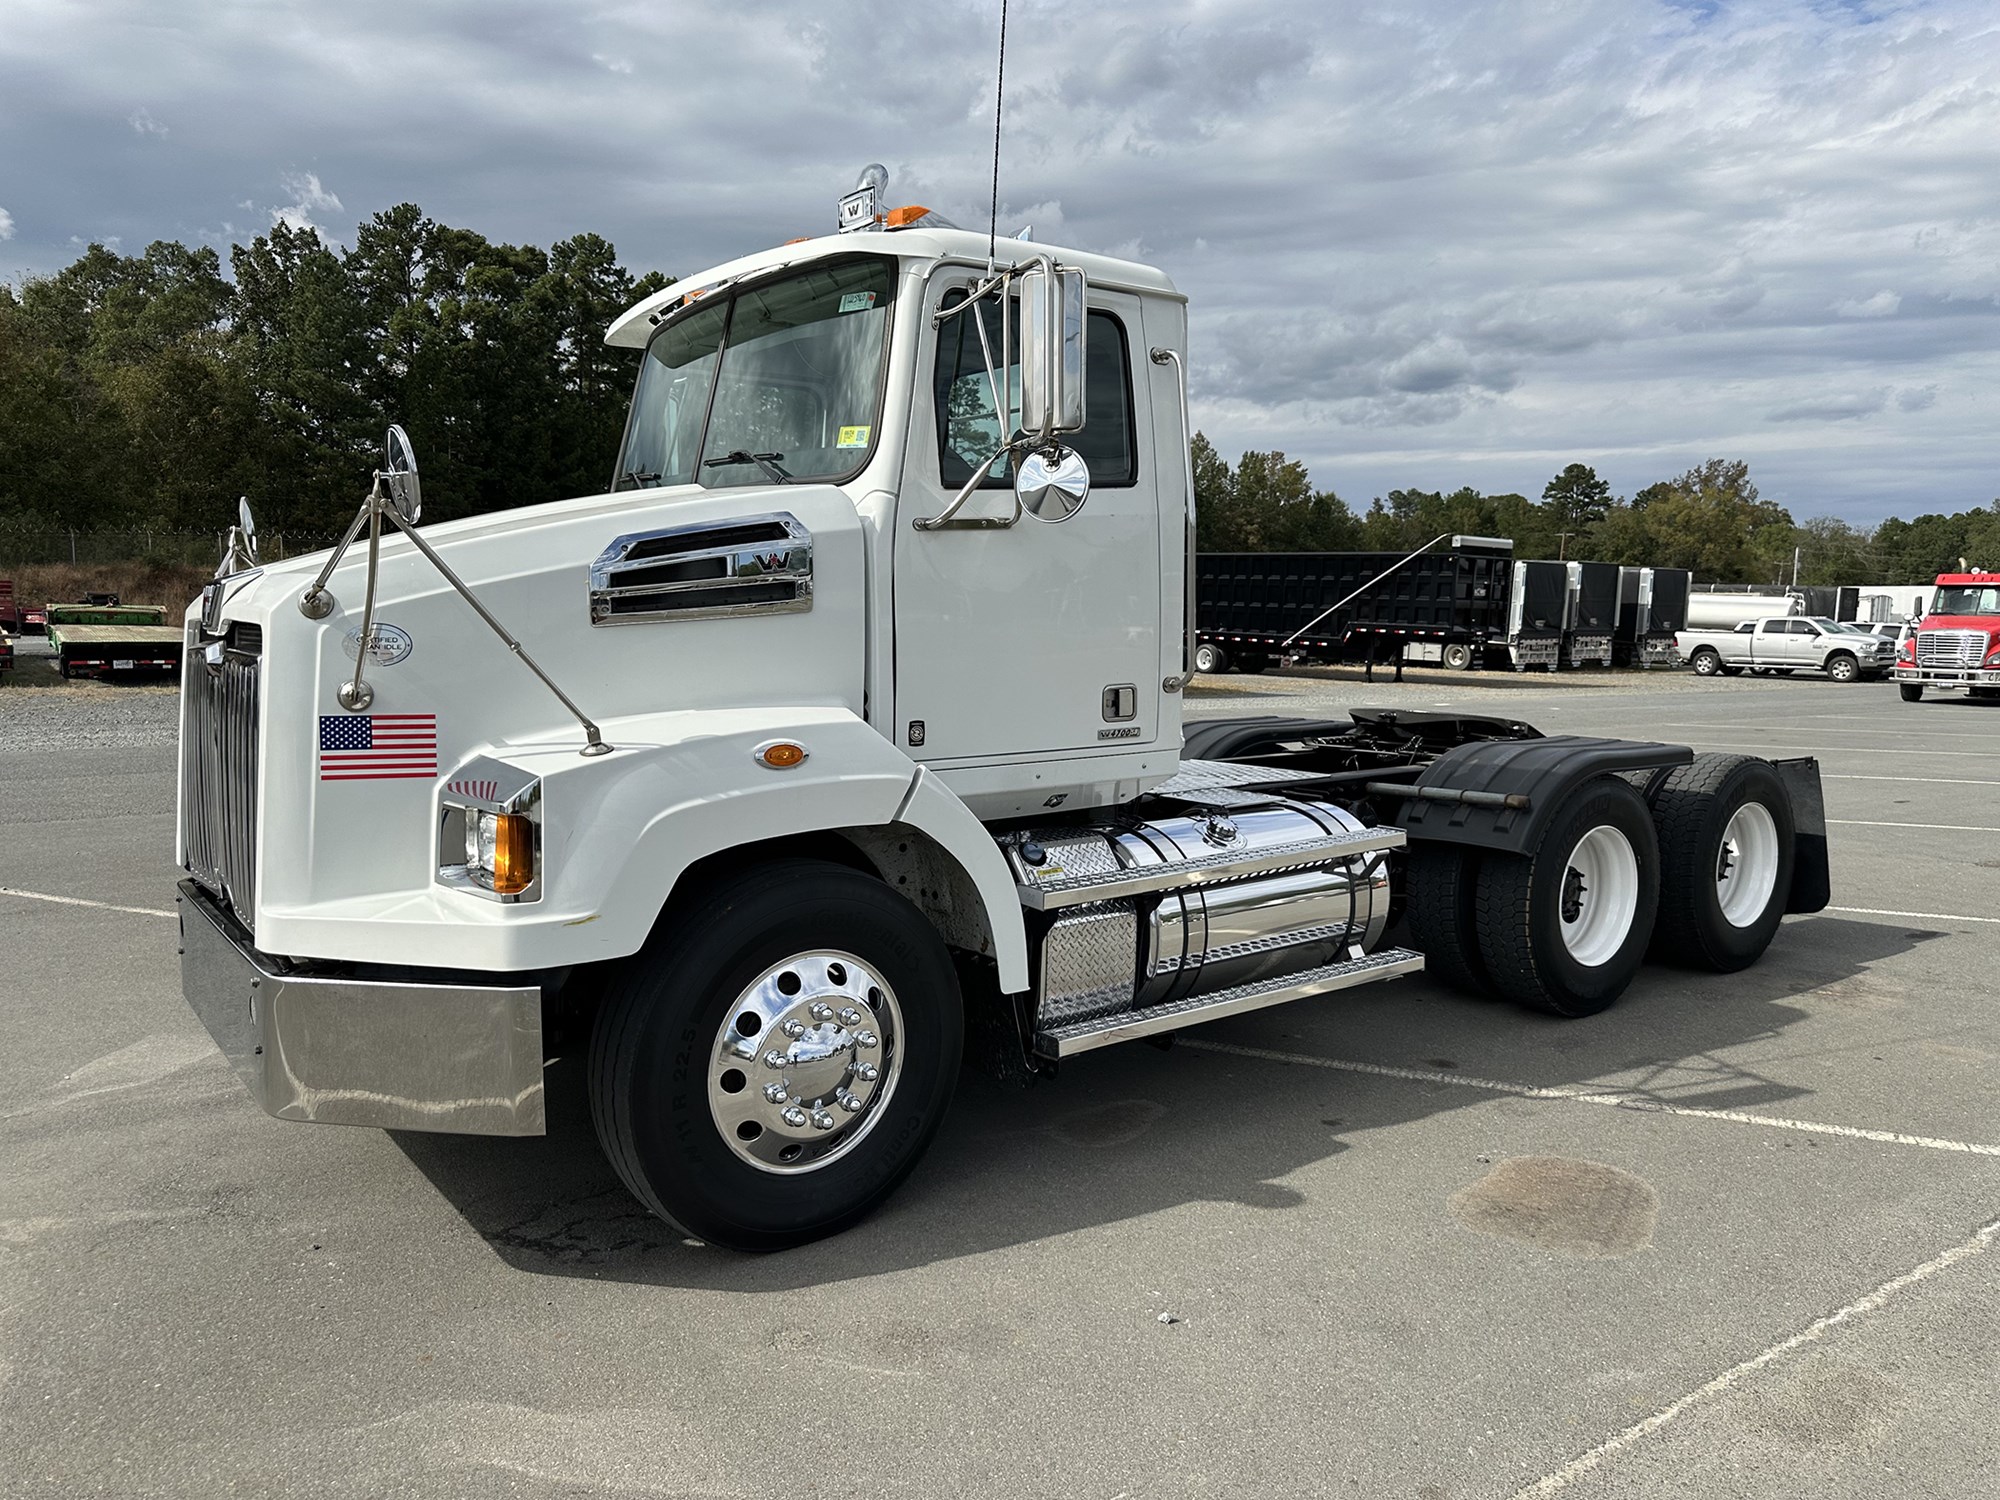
{"x":1430,"y":243}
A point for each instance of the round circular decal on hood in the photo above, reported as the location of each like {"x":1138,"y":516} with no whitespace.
{"x":387,"y":644}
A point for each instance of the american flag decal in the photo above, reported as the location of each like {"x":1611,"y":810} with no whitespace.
{"x":485,"y":791}
{"x":377,"y":747}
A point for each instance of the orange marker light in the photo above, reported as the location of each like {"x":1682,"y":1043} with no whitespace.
{"x":902,"y":218}
{"x":781,"y":755}
{"x":513,"y":853}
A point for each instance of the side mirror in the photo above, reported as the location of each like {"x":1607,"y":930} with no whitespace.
{"x":248,"y":526}
{"x":1052,"y":483}
{"x":399,"y":474}
{"x":1052,"y":304}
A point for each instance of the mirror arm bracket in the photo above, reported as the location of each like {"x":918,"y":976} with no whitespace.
{"x":943,"y":520}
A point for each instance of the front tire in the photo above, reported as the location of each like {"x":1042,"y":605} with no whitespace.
{"x":800,"y":978}
{"x":1725,"y":828}
{"x":1910,"y":692}
{"x":1564,"y":927}
{"x":1842,"y":668}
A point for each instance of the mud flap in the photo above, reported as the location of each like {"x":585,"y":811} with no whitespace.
{"x":1812,"y":878}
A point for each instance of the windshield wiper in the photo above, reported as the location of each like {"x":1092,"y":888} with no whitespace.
{"x":638,"y":479}
{"x":768,"y":462}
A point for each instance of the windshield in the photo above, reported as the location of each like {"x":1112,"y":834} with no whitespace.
{"x":1968,"y":599}
{"x":778,"y":380}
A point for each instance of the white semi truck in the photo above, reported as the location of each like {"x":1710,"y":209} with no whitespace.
{"x":822,"y":749}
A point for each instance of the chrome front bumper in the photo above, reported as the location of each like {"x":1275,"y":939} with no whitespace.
{"x":398,"y":1055}
{"x":1950,"y":676}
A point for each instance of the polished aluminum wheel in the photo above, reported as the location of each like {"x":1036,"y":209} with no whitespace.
{"x":1746,"y":866}
{"x":805,"y":1062}
{"x":1600,"y":895}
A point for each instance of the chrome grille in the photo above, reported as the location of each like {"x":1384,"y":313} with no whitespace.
{"x":219,"y":774}
{"x":1950,"y":648}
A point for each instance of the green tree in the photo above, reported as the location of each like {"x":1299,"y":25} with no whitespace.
{"x":1577,"y":499}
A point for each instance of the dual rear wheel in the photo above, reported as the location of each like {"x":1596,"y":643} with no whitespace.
{"x":1700,"y":878}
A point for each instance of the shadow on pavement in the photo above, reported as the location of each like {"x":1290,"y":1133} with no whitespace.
{"x":1132,"y":1131}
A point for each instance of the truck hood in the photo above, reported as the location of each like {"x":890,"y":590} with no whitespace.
{"x":1988,"y":623}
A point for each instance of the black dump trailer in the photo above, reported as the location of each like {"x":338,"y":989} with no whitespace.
{"x":1536,"y":604}
{"x":1590,"y":616}
{"x":1447,"y":605}
{"x":1652,"y":605}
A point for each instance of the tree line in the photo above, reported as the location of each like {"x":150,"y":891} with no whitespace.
{"x":1710,"y":520}
{"x":149,"y":391}
{"x":146,"y":392}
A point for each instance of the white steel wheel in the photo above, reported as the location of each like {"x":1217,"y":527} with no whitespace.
{"x":1457,"y":658}
{"x":1600,"y":896}
{"x":1746,"y":865}
{"x":1209,"y":658}
{"x":805,"y":1062}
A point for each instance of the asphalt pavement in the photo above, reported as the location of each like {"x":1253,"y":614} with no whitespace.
{"x":1735,"y":1236}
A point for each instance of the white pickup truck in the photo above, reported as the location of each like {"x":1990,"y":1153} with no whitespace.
{"x":1787,"y":643}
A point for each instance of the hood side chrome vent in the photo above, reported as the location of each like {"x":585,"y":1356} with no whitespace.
{"x":752,"y":565}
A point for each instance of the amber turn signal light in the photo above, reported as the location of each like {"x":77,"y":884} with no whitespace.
{"x":781,"y":755}
{"x":513,"y":853}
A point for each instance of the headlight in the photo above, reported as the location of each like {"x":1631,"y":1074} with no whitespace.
{"x":490,"y":832}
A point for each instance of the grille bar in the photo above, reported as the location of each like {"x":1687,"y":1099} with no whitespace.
{"x":1950,"y":648}
{"x":219,"y":779}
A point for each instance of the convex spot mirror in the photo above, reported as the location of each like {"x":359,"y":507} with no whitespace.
{"x":1052,"y":310}
{"x":399,"y":476}
{"x":1052,"y":483}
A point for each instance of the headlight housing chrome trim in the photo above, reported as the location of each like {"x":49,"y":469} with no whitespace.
{"x":484,"y":787}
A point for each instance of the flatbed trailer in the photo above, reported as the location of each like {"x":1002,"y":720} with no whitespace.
{"x":105,"y":650}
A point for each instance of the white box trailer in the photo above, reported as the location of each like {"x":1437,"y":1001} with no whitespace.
{"x":827,"y":755}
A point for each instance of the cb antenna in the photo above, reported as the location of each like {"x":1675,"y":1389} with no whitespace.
{"x":999,"y":92}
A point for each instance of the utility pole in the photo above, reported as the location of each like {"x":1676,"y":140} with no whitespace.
{"x":1562,"y":543}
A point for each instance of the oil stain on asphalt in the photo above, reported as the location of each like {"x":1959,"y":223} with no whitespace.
{"x":1561,"y":1203}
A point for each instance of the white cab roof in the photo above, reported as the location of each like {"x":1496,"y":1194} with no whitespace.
{"x":635,"y":325}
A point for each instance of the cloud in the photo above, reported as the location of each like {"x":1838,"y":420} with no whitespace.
{"x":6,"y":225}
{"x":1423,"y":244}
{"x":143,"y":123}
{"x":308,"y":198}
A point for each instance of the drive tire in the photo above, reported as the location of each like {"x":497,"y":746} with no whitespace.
{"x":1910,"y":692}
{"x":1843,"y":668}
{"x":1693,"y":809}
{"x":664,"y":1012}
{"x":1706,"y":661}
{"x":1523,"y":947}
{"x":1442,"y":885}
{"x":1210,"y":659}
{"x":1456,"y":658}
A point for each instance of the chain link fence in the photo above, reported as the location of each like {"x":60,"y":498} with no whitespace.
{"x":152,"y":548}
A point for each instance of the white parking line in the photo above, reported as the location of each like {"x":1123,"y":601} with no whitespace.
{"x":1926,"y":916}
{"x":138,"y":911}
{"x":1850,"y":728}
{"x":1613,"y":1098}
{"x":1904,"y":780}
{"x":1549,"y":1484}
{"x":1878,"y":823}
{"x":1903,"y":749}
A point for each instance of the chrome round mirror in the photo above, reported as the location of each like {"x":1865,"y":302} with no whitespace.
{"x":248,"y":525}
{"x":1052,"y":485}
{"x":399,"y":472}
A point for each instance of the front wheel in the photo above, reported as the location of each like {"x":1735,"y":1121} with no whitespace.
{"x":1842,"y":668}
{"x":1564,"y":927}
{"x":774,"y":1061}
{"x":1910,"y":692}
{"x":1706,"y":663}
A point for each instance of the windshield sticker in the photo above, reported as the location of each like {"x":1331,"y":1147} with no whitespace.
{"x":857,"y":302}
{"x":854,"y":437}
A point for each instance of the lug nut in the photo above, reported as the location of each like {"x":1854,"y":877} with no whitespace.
{"x":848,"y":1102}
{"x":775,"y":1092}
{"x":864,"y":1039}
{"x":794,"y":1117}
{"x":774,"y":1059}
{"x":850,"y":1017}
{"x":794,"y":1029}
{"x":820,"y":1011}
{"x":822,"y":1120}
{"x":866,"y":1072}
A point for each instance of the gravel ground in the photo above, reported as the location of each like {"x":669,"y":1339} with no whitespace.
{"x":39,"y":711}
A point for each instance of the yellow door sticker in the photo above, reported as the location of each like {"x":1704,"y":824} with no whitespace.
{"x":854,"y":437}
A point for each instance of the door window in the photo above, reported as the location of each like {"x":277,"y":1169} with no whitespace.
{"x":966,"y":430}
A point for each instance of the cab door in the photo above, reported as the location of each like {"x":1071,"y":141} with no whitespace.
{"x":1025,"y":639}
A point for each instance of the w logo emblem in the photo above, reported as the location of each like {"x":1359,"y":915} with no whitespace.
{"x":770,"y":562}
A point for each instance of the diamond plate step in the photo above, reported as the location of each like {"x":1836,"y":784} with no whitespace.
{"x":1084,"y":1036}
{"x":1106,"y":885}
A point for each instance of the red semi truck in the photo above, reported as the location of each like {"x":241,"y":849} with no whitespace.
{"x":1957,"y":643}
